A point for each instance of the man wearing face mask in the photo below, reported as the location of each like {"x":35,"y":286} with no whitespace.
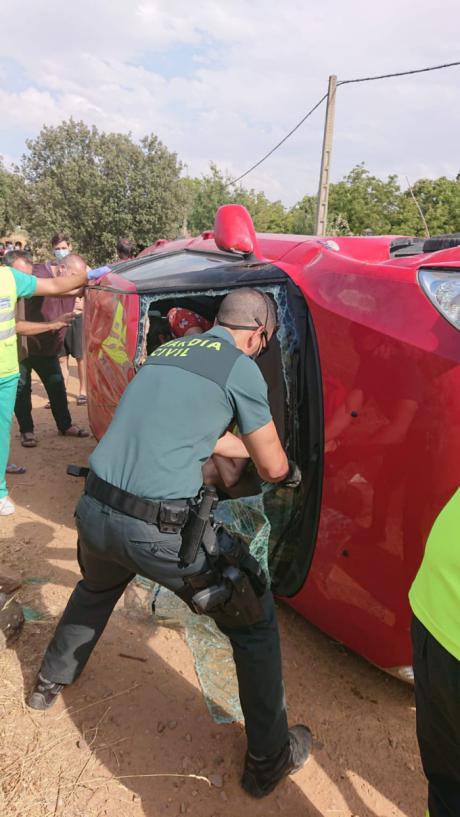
{"x":73,"y":339}
{"x":42,"y":355}
{"x":144,"y":512}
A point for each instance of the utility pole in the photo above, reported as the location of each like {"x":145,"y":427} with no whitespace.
{"x":323,"y":191}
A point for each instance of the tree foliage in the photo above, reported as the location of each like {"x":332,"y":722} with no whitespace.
{"x":359,"y":204}
{"x":11,"y":188}
{"x":363,"y":203}
{"x":213,"y":190}
{"x":99,"y":187}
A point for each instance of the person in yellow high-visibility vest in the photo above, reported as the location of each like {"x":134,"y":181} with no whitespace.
{"x":435,"y":602}
{"x":14,"y":285}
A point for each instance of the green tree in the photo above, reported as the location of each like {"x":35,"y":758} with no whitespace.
{"x":207,"y":194}
{"x":301,"y":218}
{"x":99,"y":186}
{"x":211,"y":191}
{"x":11,"y":200}
{"x":439,"y":201}
{"x":362,"y":202}
{"x":268,"y":216}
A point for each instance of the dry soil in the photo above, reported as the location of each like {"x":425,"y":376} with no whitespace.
{"x":133,"y":736}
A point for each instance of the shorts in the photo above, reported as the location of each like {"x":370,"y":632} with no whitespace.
{"x":73,"y":341}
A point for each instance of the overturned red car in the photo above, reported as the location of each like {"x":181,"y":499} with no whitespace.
{"x":364,"y":386}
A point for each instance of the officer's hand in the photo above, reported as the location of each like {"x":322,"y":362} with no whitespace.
{"x":294,"y":477}
{"x":97,"y":272}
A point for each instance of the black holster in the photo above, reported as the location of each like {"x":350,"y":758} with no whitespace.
{"x":198,"y":530}
{"x":230,"y":591}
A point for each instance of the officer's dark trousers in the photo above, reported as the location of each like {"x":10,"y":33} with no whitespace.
{"x":49,"y":372}
{"x":437,"y":691}
{"x":112,"y":549}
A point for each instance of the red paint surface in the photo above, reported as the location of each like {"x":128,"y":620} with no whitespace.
{"x":109,"y":353}
{"x":388,"y":357}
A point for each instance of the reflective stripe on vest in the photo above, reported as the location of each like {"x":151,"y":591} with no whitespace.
{"x":8,"y":344}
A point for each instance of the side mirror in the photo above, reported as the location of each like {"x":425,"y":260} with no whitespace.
{"x":234,"y":230}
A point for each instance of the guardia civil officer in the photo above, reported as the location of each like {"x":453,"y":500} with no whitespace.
{"x":140,"y":514}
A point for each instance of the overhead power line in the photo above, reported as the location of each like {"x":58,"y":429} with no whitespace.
{"x":285,"y":138}
{"x":399,"y":73}
{"x":320,"y":101}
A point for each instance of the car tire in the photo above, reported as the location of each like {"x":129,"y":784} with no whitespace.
{"x":441,"y":242}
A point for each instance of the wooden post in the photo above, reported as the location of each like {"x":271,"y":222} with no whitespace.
{"x":323,"y":191}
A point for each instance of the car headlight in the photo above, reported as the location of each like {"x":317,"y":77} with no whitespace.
{"x":443,"y":290}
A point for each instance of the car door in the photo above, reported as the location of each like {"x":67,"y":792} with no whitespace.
{"x":390,"y":376}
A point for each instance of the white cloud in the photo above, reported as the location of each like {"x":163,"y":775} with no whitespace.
{"x":224,"y":82}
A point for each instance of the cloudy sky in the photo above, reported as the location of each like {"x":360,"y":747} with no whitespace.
{"x":224,"y":81}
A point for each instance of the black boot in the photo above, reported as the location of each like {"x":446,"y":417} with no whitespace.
{"x":44,"y":693}
{"x":262,"y":775}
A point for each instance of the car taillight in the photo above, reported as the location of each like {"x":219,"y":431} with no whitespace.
{"x":443,"y":290}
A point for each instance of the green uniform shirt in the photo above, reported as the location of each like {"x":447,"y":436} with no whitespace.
{"x":171,"y":415}
{"x":25,"y":284}
{"x":435,"y":593}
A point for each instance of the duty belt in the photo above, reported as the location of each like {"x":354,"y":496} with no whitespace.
{"x":169,"y":514}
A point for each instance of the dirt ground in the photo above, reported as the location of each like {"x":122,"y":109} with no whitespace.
{"x":133,"y":736}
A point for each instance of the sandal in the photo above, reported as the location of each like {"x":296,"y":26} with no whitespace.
{"x":15,"y":469}
{"x":28,"y":439}
{"x":75,"y":431}
{"x":82,"y":400}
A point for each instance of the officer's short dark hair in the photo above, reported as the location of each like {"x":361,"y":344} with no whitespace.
{"x":125,"y":248}
{"x":248,"y":307}
{"x":14,"y":255}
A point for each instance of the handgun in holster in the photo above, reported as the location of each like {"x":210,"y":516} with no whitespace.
{"x":230,"y":592}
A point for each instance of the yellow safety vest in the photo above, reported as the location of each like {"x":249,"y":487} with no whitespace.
{"x":8,"y":344}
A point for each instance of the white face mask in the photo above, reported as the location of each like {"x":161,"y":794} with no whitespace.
{"x":60,"y":254}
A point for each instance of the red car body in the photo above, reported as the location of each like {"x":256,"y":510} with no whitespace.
{"x":377,"y":407}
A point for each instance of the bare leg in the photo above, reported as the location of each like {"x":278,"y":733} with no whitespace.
{"x":81,"y":377}
{"x":64,"y":361}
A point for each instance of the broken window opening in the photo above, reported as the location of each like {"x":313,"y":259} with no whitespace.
{"x":269,"y":517}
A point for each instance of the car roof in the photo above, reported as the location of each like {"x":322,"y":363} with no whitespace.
{"x":276,"y":246}
{"x":182,"y":268}
{"x":192,"y":263}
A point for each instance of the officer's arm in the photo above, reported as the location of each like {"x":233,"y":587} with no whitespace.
{"x":265,"y":449}
{"x":60,"y":286}
{"x":229,"y":445}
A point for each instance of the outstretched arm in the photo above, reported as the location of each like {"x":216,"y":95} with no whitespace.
{"x":60,"y":286}
{"x":265,"y":449}
{"x":64,"y":285}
